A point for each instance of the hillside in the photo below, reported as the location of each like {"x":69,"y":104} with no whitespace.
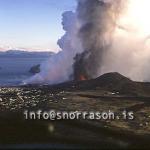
{"x":113,"y":82}
{"x":93,"y":95}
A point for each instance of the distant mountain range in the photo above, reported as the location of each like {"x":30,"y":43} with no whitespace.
{"x":21,"y":53}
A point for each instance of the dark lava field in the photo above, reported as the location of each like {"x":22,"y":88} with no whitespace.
{"x":110,"y":91}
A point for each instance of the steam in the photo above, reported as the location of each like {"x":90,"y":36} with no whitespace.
{"x":101,"y":36}
{"x":129,"y":53}
{"x":59,"y":68}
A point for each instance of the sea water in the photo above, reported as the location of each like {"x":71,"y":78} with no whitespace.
{"x":14,"y":70}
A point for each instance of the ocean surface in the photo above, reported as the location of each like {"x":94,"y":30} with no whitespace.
{"x":14,"y":70}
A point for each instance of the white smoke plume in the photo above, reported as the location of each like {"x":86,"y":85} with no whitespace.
{"x":58,"y":68}
{"x":109,"y":36}
{"x":129,"y":53}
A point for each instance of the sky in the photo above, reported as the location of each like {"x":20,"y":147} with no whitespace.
{"x":32,"y":24}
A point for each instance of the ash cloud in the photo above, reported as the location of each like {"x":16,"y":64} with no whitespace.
{"x":96,"y":42}
{"x":98,"y":22}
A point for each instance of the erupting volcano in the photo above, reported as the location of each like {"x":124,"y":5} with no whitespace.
{"x":101,"y":36}
{"x":82,"y":78}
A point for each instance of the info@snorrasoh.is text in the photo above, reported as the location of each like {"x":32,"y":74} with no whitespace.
{"x":76,"y":115}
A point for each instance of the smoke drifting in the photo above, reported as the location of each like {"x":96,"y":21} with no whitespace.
{"x":129,"y":53}
{"x":101,"y":36}
{"x":59,"y":68}
{"x":98,"y":22}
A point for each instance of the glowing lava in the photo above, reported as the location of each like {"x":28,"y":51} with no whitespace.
{"x":82,"y":78}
